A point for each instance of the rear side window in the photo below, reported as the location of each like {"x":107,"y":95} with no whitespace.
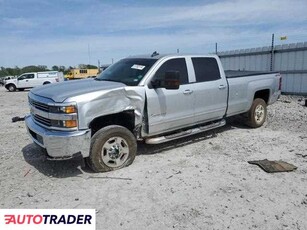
{"x":177,"y":64}
{"x":206,"y":69}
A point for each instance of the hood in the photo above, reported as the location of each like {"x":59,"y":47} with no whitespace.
{"x":59,"y":92}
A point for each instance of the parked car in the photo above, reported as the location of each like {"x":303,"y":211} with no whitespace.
{"x":30,"y":80}
{"x":154,"y":98}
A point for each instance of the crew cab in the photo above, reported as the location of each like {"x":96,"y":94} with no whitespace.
{"x":154,"y":98}
{"x":33,"y":79}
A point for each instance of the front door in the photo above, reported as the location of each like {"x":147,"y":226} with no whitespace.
{"x":25,"y":81}
{"x":169,"y":110}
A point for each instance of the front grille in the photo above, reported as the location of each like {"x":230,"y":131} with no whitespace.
{"x":49,"y":115}
{"x":42,"y":120}
{"x":39,"y":105}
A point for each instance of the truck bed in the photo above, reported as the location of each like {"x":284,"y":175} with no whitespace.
{"x":244,"y":73}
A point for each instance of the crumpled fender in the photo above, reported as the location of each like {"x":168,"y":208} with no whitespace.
{"x":107,"y":102}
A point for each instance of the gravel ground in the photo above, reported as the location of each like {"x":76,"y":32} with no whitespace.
{"x":201,"y":182}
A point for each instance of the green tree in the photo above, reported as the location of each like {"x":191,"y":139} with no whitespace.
{"x":91,"y":67}
{"x":55,"y":68}
{"x":33,"y":68}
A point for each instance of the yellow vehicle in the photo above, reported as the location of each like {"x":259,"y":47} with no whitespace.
{"x":81,"y":73}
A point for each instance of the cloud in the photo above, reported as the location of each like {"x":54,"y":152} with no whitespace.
{"x":225,"y":13}
{"x":18,"y":23}
{"x":61,"y":34}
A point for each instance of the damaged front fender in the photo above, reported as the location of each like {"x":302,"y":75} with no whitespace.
{"x":107,"y":102}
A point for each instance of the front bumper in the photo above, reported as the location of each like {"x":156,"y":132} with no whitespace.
{"x":59,"y":144}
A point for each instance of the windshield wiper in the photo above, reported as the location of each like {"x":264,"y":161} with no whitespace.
{"x":97,"y":79}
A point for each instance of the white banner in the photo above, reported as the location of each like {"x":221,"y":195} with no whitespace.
{"x":47,"y":219}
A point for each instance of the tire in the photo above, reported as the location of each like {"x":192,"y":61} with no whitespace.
{"x":256,"y":116}
{"x":11,"y":88}
{"x":112,"y":147}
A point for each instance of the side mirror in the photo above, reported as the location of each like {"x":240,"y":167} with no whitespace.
{"x":171,"y":80}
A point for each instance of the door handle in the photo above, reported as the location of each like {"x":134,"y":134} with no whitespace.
{"x":187,"y":91}
{"x":222,"y":86}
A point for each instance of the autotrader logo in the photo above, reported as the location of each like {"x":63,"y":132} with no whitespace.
{"x":77,"y":219}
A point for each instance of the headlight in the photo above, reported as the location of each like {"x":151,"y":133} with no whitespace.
{"x":70,"y":124}
{"x":63,"y":116}
{"x":63,"y":109}
{"x":64,"y":124}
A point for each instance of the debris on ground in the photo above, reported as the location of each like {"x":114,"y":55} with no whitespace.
{"x":15,"y":119}
{"x":173,"y":175}
{"x":285,"y":101}
{"x":273,"y":166}
{"x":27,"y":173}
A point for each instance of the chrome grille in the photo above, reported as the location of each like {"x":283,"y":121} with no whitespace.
{"x":42,"y":120}
{"x":39,"y":105}
{"x":45,"y":113}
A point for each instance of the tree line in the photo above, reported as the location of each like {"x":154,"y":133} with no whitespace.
{"x":39,"y":68}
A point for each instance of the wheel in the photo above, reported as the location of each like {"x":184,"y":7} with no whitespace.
{"x":257,"y":113}
{"x":112,"y":147}
{"x":45,"y":83}
{"x":11,"y":88}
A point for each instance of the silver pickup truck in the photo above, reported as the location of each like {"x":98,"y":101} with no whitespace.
{"x":155,"y":98}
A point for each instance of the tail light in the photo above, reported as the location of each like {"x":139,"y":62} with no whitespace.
{"x":280,"y":82}
{"x":57,"y":79}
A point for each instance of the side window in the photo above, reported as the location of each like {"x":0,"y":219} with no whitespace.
{"x":177,"y":64}
{"x":206,"y":69}
{"x":22,"y":77}
{"x":26,"y":76}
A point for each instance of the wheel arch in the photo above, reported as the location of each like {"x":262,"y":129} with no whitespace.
{"x":125,"y":118}
{"x":263,"y":94}
{"x":9,"y":84}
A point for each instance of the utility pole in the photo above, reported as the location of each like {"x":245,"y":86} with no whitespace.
{"x":177,"y":51}
{"x":89,"y":54}
{"x":216,"y":48}
{"x":272,"y":54}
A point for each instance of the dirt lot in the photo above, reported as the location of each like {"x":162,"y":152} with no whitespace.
{"x":201,"y":182}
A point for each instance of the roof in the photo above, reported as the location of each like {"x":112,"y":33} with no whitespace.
{"x":158,"y":56}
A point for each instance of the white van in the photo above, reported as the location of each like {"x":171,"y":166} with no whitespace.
{"x":30,"y":80}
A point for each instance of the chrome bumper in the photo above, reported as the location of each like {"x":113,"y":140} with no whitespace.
{"x":59,"y":144}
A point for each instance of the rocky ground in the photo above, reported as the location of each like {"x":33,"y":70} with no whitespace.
{"x":201,"y":182}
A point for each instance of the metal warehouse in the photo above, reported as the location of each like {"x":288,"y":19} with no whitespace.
{"x":289,"y":59}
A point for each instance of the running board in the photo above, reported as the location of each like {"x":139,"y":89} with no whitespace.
{"x":162,"y":139}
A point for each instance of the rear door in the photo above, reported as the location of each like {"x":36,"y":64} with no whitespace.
{"x":210,"y":90}
{"x":170,"y":109}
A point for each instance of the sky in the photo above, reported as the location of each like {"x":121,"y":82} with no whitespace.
{"x":71,"y":32}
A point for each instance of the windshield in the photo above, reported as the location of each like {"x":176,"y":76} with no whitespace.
{"x":129,"y":71}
